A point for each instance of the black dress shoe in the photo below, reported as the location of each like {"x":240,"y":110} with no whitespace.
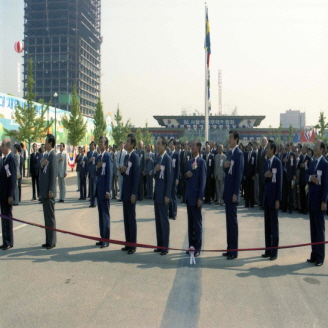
{"x":99,"y":243}
{"x":104,"y":245}
{"x":45,"y":245}
{"x":266,"y":255}
{"x":272,"y":258}
{"x":311,"y":261}
{"x":131,"y":251}
{"x":125,"y":248}
{"x":2,"y":246}
{"x":232,"y":257}
{"x":51,"y":246}
{"x":92,"y":206}
{"x":157,"y":250}
{"x":187,"y":252}
{"x":174,"y":218}
{"x":80,"y":198}
{"x":164,"y":252}
{"x":7,"y":247}
{"x":225,"y":254}
{"x":319,"y":264}
{"x":197,"y":254}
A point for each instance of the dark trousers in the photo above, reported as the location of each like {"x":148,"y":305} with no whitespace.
{"x":141,"y":192}
{"x":287,"y":194}
{"x":49,"y":220}
{"x":303,"y":199}
{"x":83,"y":187}
{"x":271,"y":230}
{"x":92,"y":191}
{"x":150,"y":186}
{"x":130,"y":222}
{"x":232,"y":227}
{"x":7,"y":225}
{"x":208,"y":190}
{"x":213,"y":189}
{"x":104,"y":217}
{"x":19,"y":181}
{"x":261,"y":189}
{"x":249,"y":192}
{"x":162,"y":224}
{"x":173,"y":207}
{"x":35,"y":182}
{"x":317,"y":230}
{"x":195,"y":226}
{"x":183,"y":189}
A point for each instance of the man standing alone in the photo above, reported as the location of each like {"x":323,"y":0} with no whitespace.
{"x":62,"y":173}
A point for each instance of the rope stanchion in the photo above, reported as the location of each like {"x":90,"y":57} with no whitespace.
{"x":120,"y":242}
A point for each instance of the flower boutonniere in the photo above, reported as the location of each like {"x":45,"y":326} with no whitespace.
{"x":194,"y":165}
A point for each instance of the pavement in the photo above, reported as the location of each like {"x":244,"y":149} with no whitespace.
{"x":78,"y":284}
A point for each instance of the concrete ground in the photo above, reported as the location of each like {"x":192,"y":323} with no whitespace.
{"x":78,"y":284}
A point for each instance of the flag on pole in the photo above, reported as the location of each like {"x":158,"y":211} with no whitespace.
{"x":207,"y":39}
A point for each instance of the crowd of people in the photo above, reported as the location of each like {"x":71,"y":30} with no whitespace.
{"x":268,"y":175}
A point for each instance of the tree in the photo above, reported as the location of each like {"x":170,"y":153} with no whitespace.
{"x":99,"y":121}
{"x":290,"y":133}
{"x":139,"y":136}
{"x":75,"y":124}
{"x":322,"y":126}
{"x":31,"y":121}
{"x":277,"y":135}
{"x":120,"y":130}
{"x":147,"y":137}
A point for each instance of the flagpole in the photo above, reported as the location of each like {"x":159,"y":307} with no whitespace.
{"x":206,"y":84}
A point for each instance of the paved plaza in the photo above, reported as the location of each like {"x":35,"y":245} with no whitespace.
{"x":78,"y":284}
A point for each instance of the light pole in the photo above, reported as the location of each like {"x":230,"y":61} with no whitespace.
{"x":55,"y":96}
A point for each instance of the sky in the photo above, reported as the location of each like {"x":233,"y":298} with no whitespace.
{"x":272,"y":54}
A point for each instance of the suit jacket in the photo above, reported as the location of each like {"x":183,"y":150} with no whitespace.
{"x":114,"y":156}
{"x":48,"y":176}
{"x":150,"y":163}
{"x":1,"y":162}
{"x":290,"y":166}
{"x":104,"y":176}
{"x":318,"y":193}
{"x":77,"y":162}
{"x":8,"y":184}
{"x":62,"y":166}
{"x":83,"y":166}
{"x":142,"y":158}
{"x":250,"y":164}
{"x":304,"y":160}
{"x":185,"y":156}
{"x":261,"y":158}
{"x":39,"y":157}
{"x":233,"y":179}
{"x":34,"y":169}
{"x":175,"y":166}
{"x":131,"y":180}
{"x":195,"y":185}
{"x":17,"y":163}
{"x":163,"y":186}
{"x":120,"y":159}
{"x":92,"y":167}
{"x":21,"y":163}
{"x":209,"y":164}
{"x":273,"y":190}
{"x":219,"y":166}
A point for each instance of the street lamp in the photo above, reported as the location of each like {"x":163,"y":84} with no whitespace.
{"x":55,"y":96}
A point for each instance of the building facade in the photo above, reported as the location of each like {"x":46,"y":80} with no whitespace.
{"x":293,"y":118}
{"x":63,"y":39}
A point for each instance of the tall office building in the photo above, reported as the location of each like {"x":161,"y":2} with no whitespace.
{"x":63,"y":39}
{"x":293,"y":118}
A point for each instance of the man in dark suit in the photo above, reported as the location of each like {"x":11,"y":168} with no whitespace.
{"x":48,"y":190}
{"x":209,"y":159}
{"x":162,"y":194}
{"x":131,"y":174}
{"x":272,"y":197}
{"x":8,"y":183}
{"x":249,"y":175}
{"x":34,"y":170}
{"x":21,"y":170}
{"x":317,"y":176}
{"x":260,"y":166}
{"x":185,"y":156}
{"x":83,"y":175}
{"x":195,"y":185}
{"x":142,"y":159}
{"x":77,"y":167}
{"x":173,"y":208}
{"x":234,"y":167}
{"x":303,"y":165}
{"x":104,"y":175}
{"x":92,"y":156}
{"x":289,"y":178}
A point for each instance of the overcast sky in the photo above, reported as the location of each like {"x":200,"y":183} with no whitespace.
{"x":273,"y":56}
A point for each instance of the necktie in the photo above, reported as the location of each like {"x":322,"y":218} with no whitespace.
{"x":249,"y":156}
{"x":316,"y":164}
{"x":4,"y":159}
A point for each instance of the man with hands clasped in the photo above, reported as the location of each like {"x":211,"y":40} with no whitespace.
{"x":317,"y":176}
{"x":272,"y":173}
{"x":195,"y":185}
{"x":162,"y":193}
{"x":234,"y":167}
